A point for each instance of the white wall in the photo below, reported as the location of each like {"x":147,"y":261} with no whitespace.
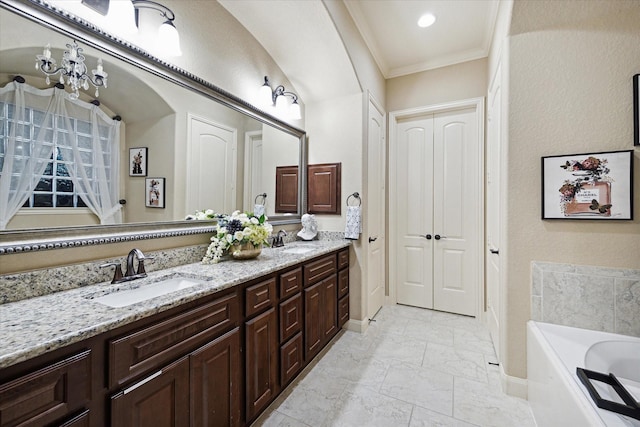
{"x":571,"y":65}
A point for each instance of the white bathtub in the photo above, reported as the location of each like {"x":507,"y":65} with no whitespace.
{"x":556,"y":395}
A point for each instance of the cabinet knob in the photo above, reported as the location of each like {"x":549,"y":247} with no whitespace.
{"x":438,"y":237}
{"x":428,"y":237}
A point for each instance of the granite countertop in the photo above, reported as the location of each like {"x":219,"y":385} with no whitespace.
{"x":38,"y":325}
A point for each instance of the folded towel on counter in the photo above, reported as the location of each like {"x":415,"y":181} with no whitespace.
{"x":258,"y":210}
{"x":353,"y":227}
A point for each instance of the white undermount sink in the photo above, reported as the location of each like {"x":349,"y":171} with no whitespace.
{"x":297,"y":250}
{"x":125,"y":297}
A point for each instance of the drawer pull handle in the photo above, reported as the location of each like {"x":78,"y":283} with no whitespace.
{"x":141,"y":383}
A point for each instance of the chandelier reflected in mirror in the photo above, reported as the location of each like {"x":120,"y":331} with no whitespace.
{"x":72,"y":69}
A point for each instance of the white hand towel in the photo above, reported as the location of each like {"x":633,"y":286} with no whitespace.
{"x":258,"y":210}
{"x":353,"y":227}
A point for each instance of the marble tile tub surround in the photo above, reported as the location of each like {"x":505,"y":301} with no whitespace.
{"x":19,"y":286}
{"x":589,"y":297}
{"x":34,"y":326}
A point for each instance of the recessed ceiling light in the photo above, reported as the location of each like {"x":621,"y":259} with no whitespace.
{"x":426,"y":20}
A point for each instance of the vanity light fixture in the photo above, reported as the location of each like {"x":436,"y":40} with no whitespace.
{"x":168,"y":36}
{"x":278,"y":98}
{"x":72,"y":68}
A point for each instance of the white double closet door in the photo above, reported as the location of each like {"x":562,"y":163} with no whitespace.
{"x":438,"y":214}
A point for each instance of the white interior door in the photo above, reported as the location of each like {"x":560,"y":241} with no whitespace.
{"x":494,"y":142}
{"x":376,"y":210}
{"x":254,"y":182}
{"x":438,"y":210}
{"x":414,"y":212}
{"x":456,"y":206}
{"x":211,"y":187}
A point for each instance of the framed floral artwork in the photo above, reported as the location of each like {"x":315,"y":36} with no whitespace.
{"x":138,"y":161}
{"x":154,"y":192}
{"x":588,"y":186}
{"x":636,"y":109}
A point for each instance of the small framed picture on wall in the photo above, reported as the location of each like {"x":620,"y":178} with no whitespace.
{"x":155,"y":192}
{"x":636,"y":109}
{"x":138,"y":161}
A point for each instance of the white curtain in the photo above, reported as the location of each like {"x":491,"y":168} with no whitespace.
{"x":88,"y":141}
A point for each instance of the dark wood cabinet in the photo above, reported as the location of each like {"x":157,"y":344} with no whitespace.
{"x":286,"y":189}
{"x":261,"y":346}
{"x":324,"y":188}
{"x":49,"y":395}
{"x":215,"y":378}
{"x":321,"y":315}
{"x":343,"y":287}
{"x":329,"y":311}
{"x":217,"y":361}
{"x":159,"y":400}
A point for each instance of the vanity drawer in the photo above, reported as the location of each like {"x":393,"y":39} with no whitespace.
{"x":290,"y":283}
{"x":319,"y":269}
{"x":343,"y":311}
{"x":48,"y":395}
{"x":156,"y":345}
{"x":343,"y":259}
{"x":260,"y":297}
{"x":290,"y":317}
{"x":343,"y":283}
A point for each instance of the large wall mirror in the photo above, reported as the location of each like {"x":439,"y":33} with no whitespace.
{"x":213,"y":150}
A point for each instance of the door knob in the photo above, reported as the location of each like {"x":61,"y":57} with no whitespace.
{"x":372,"y":239}
{"x":428,"y":236}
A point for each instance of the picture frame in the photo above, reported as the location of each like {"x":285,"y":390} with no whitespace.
{"x":592,"y":186}
{"x":636,"y":109}
{"x":138,"y":161}
{"x":155,"y":192}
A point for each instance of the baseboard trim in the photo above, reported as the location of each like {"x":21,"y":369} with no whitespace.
{"x":513,"y":386}
{"x":357,"y":325}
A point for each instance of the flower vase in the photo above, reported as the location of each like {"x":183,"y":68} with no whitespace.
{"x":245,"y":250}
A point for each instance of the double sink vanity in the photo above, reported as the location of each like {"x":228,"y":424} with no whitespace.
{"x":192,"y":345}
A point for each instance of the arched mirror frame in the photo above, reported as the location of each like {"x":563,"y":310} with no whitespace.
{"x":87,"y":33}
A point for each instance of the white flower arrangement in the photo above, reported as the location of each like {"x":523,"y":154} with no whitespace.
{"x":204,"y":214}
{"x":236,"y":229}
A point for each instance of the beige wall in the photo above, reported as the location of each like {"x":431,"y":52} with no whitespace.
{"x":571,"y":65}
{"x":446,"y":84}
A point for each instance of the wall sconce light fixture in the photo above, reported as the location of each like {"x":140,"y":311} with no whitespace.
{"x":278,"y":98}
{"x":168,"y":36}
{"x":73,"y":68}
{"x":122,"y":18}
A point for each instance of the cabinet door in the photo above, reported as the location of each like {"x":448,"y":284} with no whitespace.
{"x":160,"y":400}
{"x":312,"y":321}
{"x":261,"y":361}
{"x":215,"y":382}
{"x":329,"y":308}
{"x":48,"y":395}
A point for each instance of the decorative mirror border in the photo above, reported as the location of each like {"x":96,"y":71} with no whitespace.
{"x":62,"y":21}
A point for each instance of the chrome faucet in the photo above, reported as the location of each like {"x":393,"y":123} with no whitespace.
{"x":277,"y":241}
{"x":118,"y":277}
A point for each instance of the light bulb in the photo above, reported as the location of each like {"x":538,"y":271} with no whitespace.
{"x":169,"y":39}
{"x":294,"y":111}
{"x":426,"y":20}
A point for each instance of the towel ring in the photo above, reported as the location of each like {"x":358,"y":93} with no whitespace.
{"x":264,"y":198}
{"x":355,"y":195}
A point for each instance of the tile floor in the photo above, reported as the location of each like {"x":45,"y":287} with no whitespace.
{"x":413,"y":368}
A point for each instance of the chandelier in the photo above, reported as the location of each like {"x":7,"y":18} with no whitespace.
{"x":72,"y":70}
